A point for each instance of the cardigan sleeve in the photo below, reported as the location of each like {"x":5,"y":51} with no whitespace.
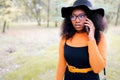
{"x":61,"y":61}
{"x":97,"y":54}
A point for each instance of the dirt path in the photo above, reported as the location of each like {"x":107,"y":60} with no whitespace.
{"x":28,"y":41}
{"x":28,"y":38}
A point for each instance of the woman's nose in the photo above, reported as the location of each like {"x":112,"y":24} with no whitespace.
{"x":77,"y":19}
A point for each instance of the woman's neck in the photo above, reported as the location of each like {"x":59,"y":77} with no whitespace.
{"x":80,"y":31}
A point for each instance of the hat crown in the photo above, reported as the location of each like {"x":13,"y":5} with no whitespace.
{"x":82,"y":2}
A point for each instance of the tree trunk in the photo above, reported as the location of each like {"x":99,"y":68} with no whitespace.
{"x":48,"y":13}
{"x":56,"y":9}
{"x":4,"y":27}
{"x":39,"y":22}
{"x":39,"y":18}
{"x":116,"y":23}
{"x":55,"y":23}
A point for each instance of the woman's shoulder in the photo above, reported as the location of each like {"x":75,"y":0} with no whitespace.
{"x":62,"y":39}
{"x":102,"y":34}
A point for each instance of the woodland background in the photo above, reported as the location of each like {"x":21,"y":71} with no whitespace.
{"x":30,"y":34}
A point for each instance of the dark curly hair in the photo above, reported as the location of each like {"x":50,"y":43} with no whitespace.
{"x":68,"y":30}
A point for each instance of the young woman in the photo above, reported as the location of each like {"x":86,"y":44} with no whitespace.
{"x":82,"y":49}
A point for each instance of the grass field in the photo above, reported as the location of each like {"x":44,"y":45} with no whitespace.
{"x":32,"y":53}
{"x":113,"y":55}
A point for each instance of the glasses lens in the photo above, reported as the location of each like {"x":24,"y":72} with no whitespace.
{"x":80,"y":17}
{"x":72,"y":17}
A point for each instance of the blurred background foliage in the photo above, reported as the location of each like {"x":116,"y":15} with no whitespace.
{"x":112,"y":9}
{"x":48,"y":11}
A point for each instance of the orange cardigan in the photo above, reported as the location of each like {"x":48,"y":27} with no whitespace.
{"x":97,"y":53}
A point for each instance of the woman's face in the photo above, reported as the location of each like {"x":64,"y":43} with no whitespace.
{"x":78,"y":19}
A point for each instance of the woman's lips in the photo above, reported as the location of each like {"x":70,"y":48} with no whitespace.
{"x":77,"y":25}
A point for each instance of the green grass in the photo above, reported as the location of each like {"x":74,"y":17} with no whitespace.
{"x":35,"y":60}
{"x":113,"y":55}
{"x":34,"y":67}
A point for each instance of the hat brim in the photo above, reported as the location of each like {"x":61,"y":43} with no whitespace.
{"x":67,"y":11}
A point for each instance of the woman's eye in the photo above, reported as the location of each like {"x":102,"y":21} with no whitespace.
{"x":72,"y":17}
{"x":81,"y":16}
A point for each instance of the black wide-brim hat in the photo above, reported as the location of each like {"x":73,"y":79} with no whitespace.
{"x":84,"y":5}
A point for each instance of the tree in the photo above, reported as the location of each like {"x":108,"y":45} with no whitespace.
{"x":55,"y":11}
{"x":48,"y":12}
{"x":32,"y":9}
{"x":111,"y":9}
{"x":8,"y":12}
{"x":118,"y":14}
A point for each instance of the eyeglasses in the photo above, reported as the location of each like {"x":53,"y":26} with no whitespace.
{"x":80,"y":17}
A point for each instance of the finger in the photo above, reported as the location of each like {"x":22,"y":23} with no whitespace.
{"x":87,"y":19}
{"x":90,"y":28}
{"x":87,"y":25}
{"x":87,"y":22}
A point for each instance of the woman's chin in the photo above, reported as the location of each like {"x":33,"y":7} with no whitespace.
{"x":79,"y":28}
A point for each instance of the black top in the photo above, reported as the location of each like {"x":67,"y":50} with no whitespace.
{"x":79,"y":58}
